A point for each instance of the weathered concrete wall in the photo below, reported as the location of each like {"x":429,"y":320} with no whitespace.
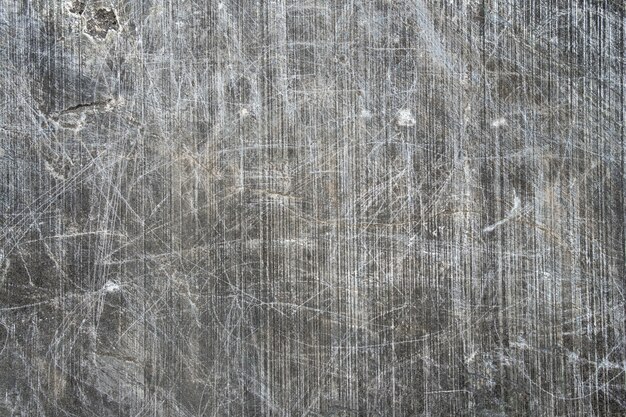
{"x":312,"y":208}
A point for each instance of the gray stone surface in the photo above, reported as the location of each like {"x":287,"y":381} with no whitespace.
{"x":312,"y":208}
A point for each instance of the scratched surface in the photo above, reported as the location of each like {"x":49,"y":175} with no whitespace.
{"x":312,"y":208}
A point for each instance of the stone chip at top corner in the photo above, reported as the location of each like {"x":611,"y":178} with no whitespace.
{"x":76,"y":6}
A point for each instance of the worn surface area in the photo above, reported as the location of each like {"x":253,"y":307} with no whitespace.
{"x":312,"y":208}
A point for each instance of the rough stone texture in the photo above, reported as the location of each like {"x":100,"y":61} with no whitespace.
{"x":312,"y":208}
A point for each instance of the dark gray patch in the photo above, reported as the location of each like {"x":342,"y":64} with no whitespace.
{"x":102,"y":21}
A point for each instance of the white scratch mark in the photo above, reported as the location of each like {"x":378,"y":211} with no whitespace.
{"x":514,"y":211}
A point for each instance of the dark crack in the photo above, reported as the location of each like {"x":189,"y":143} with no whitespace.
{"x":85,"y":106}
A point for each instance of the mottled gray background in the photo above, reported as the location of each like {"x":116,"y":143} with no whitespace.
{"x":312,"y":208}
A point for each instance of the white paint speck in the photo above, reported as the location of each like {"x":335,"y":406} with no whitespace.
{"x":111,"y":286}
{"x":405,"y":118}
{"x":366,"y":114}
{"x":243,"y":113}
{"x":499,"y":122}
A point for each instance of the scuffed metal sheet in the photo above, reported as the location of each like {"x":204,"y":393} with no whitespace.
{"x":312,"y":208}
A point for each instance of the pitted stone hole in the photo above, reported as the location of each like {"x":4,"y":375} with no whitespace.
{"x":342,"y":59}
{"x":102,"y":21}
